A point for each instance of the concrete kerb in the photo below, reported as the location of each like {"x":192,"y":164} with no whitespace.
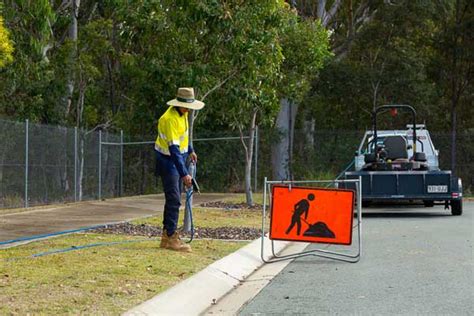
{"x":197,"y":293}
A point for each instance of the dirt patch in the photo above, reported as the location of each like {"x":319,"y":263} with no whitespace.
{"x":233,"y":233}
{"x":231,"y":206}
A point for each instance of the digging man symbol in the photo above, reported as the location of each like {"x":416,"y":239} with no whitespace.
{"x":301,"y":208}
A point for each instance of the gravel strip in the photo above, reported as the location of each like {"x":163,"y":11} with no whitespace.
{"x":235,"y":233}
{"x":231,"y":206}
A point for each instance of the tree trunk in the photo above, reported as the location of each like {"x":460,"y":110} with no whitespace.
{"x":191,"y":117}
{"x":453,"y":137}
{"x":248,"y":158}
{"x":309,"y":127}
{"x":454,"y":88}
{"x":326,"y":16}
{"x":79,"y":114}
{"x":248,"y":161}
{"x":282,"y":151}
{"x":73,"y":31}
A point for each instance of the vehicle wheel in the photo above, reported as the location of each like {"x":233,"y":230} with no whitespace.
{"x":456,"y":207}
{"x":428,"y":203}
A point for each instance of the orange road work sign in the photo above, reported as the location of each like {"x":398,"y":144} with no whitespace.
{"x":312,"y":214}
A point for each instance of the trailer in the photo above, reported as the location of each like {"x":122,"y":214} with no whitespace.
{"x":403,"y":165}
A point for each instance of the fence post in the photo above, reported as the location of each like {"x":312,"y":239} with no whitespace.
{"x":75,"y":164}
{"x":100,"y":165}
{"x":256,"y":158}
{"x":26,"y":161}
{"x":121,"y":163}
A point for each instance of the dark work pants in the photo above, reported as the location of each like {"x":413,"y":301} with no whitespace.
{"x":171,"y":187}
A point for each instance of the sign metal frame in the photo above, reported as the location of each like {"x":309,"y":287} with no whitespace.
{"x":352,"y":257}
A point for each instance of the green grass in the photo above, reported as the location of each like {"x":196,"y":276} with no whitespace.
{"x":108,"y":279}
{"x":240,"y":198}
{"x":100,"y":280}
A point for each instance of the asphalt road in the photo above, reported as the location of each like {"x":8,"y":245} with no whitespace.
{"x":415,"y":261}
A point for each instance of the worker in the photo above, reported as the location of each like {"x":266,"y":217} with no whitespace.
{"x":172,"y":148}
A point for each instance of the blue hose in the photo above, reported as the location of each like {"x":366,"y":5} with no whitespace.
{"x":73,"y":248}
{"x":347,"y":168}
{"x":188,"y":216}
{"x":50,"y":235}
{"x":188,"y":210}
{"x":342,"y":172}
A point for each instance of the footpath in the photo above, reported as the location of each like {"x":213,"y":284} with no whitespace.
{"x":36,"y":223}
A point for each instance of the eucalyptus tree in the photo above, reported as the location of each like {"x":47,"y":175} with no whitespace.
{"x":397,"y":59}
{"x":452,"y":64}
{"x":272,"y":53}
{"x":344,"y":20}
{"x":305,"y":45}
{"x":230,"y":51}
{"x":246,"y":56}
{"x":73,"y":36}
{"x":392,"y":53}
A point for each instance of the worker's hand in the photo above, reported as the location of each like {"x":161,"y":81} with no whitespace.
{"x":193,"y":157}
{"x":187,"y":180}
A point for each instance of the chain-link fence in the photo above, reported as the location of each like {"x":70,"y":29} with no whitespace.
{"x":42,"y":164}
{"x":221,"y":163}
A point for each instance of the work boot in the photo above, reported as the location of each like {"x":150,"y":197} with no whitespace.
{"x":175,"y":243}
{"x":164,"y":239}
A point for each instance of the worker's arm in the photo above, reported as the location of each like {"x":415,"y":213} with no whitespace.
{"x":178,"y":161}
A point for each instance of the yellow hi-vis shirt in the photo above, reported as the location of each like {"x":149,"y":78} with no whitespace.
{"x":172,"y":130}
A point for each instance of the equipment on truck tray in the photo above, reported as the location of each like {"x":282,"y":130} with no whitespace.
{"x":403,"y":165}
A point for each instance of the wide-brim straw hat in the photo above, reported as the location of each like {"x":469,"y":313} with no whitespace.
{"x":185,"y":99}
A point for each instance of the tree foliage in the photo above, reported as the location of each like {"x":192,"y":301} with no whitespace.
{"x":131,"y":57}
{"x":6,"y":46}
{"x":396,"y":58}
{"x":242,"y":57}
